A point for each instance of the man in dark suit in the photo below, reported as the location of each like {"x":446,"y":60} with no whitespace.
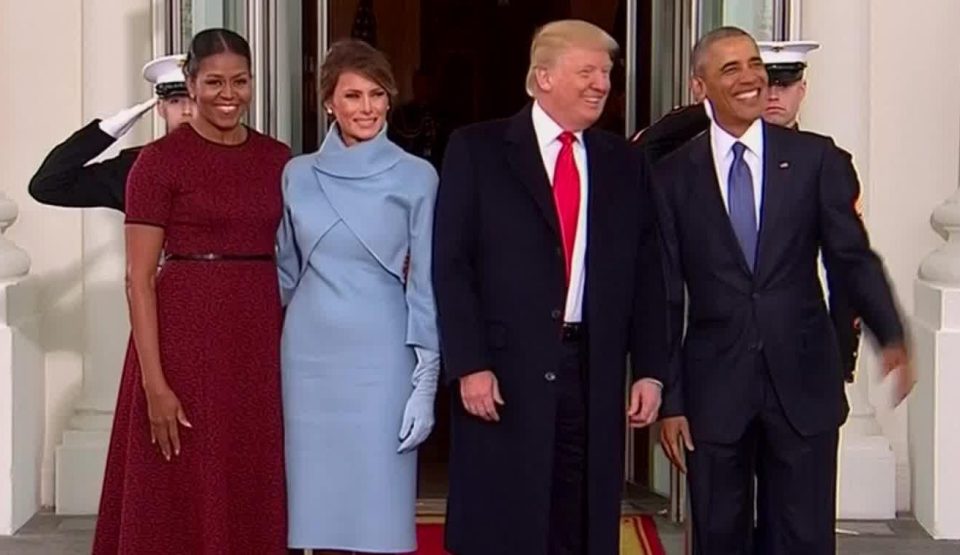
{"x":756,"y":395}
{"x":547,"y":273}
{"x":785,"y":63}
{"x":66,"y":178}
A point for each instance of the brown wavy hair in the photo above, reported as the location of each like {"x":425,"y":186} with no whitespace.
{"x":359,"y":57}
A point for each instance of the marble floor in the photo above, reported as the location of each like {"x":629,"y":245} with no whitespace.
{"x":48,"y":534}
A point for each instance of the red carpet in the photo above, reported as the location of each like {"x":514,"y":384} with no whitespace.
{"x":638,"y":536}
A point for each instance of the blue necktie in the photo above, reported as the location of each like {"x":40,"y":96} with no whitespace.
{"x":743,"y":215}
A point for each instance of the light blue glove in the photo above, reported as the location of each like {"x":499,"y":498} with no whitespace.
{"x":418,"y":414}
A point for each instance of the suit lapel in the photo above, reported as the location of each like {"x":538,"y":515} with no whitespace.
{"x":776,"y":179}
{"x":707,"y":195}
{"x":526,"y":162}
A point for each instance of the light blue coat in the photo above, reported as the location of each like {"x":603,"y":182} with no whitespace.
{"x":359,"y":347}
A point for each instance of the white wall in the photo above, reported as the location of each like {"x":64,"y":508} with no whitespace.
{"x":52,"y":89}
{"x":118,"y":31}
{"x":40,"y":46}
{"x":911,"y":161}
{"x":915,"y":141}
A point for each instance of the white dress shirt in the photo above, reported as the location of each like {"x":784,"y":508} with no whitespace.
{"x":548,"y":139}
{"x":721,"y":143}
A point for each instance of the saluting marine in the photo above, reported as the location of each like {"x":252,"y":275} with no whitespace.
{"x":67,"y":179}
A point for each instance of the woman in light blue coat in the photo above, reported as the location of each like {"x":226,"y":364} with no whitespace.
{"x":359,"y":349}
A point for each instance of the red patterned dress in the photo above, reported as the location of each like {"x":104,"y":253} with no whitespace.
{"x":219,"y":331}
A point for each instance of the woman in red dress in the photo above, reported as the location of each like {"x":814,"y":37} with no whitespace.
{"x":196,"y":455}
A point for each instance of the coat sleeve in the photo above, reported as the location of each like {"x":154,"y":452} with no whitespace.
{"x":289,"y":261}
{"x":455,"y":264}
{"x":421,"y":306}
{"x":649,"y":352}
{"x":845,"y":322}
{"x":672,"y":131}
{"x":662,"y":192}
{"x":858,"y":270}
{"x":65,"y":179}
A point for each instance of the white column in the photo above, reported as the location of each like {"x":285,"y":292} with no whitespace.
{"x":116,"y":43}
{"x":21,"y":383}
{"x":935,"y":413}
{"x":838,"y":103}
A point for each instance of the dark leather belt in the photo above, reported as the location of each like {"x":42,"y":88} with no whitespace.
{"x":213,"y":257}
{"x":572,"y":332}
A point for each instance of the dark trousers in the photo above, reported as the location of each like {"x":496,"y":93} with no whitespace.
{"x":568,"y":490}
{"x":791,"y":477}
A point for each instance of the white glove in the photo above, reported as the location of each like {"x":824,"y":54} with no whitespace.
{"x":118,"y":124}
{"x":418,"y":415}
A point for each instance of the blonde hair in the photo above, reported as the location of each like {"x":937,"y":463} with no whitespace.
{"x":555,"y":37}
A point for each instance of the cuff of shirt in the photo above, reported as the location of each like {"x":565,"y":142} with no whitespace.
{"x":652,"y":380}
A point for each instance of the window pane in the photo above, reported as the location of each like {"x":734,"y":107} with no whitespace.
{"x":753,"y":16}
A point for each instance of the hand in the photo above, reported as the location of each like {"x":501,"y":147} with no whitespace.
{"x":118,"y":124}
{"x":896,"y":360}
{"x":417,"y":423}
{"x":644,"y":403}
{"x":672,"y":431}
{"x":165,"y":414}
{"x":418,"y":417}
{"x":481,"y":395}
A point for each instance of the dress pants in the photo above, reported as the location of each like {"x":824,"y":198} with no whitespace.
{"x":792,"y":479}
{"x":568,"y":488}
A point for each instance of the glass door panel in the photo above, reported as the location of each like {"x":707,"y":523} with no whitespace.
{"x":197,"y":15}
{"x":462,"y":61}
{"x":764,"y":19}
{"x":273,"y":29}
{"x":457,"y":62}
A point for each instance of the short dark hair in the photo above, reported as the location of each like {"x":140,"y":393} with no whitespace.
{"x":210,"y":42}
{"x":357,"y":56}
{"x":706,"y":41}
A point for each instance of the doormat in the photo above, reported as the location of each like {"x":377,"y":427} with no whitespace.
{"x":638,"y":536}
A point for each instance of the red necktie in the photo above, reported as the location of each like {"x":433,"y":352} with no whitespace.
{"x":566,"y":195}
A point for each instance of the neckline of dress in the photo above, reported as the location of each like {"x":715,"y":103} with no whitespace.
{"x":241,"y":144}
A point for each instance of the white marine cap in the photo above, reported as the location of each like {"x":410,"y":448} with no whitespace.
{"x":786,"y":52}
{"x":166,"y":74}
{"x":786,"y":60}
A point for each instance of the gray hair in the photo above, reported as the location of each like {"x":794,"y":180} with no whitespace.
{"x":706,"y":41}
